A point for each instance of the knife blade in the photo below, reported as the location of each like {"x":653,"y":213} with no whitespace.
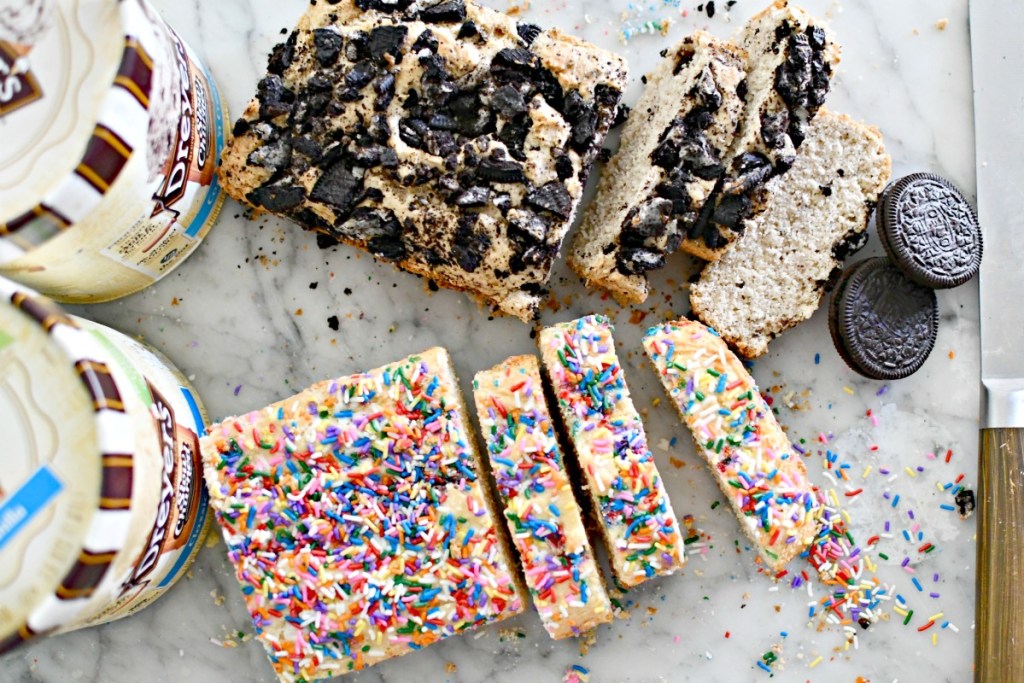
{"x":997,"y":55}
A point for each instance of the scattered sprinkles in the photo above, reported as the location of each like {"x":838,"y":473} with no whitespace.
{"x":612,"y":450}
{"x":540,"y":508}
{"x":355,"y":518}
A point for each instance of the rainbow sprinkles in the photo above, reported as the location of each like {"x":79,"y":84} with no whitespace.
{"x":357,"y":521}
{"x":753,"y":461}
{"x":640,"y":529}
{"x":540,"y":508}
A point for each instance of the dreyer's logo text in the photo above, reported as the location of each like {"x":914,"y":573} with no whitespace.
{"x":164,"y":415}
{"x":18,"y":87}
{"x":192,"y":137}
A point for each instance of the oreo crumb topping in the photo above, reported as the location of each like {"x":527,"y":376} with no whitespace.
{"x":431,"y":168}
{"x":528,"y":32}
{"x":277,"y":198}
{"x":802,"y":81}
{"x":654,"y":229}
{"x":328,"y":43}
{"x":449,"y":11}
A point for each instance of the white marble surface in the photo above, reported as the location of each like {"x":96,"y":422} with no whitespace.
{"x":230,"y":318}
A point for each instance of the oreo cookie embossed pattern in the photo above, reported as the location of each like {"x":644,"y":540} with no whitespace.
{"x":883,"y":325}
{"x":930,"y":231}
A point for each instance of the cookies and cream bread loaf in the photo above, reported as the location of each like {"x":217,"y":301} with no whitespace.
{"x":774,"y":275}
{"x":735,"y":431}
{"x":791,"y":58}
{"x":540,"y":508}
{"x":674,"y":148}
{"x":627,"y":494}
{"x":358,"y":521}
{"x":440,"y":136}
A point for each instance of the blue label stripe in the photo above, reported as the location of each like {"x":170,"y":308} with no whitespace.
{"x":213,"y":194}
{"x":197,"y":416}
{"x":28,"y":501}
{"x":200,"y":522}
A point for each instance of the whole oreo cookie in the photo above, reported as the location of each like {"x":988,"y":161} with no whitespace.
{"x":930,"y":231}
{"x":883,"y":325}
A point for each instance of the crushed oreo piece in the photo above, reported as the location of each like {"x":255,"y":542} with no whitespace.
{"x":528,"y":32}
{"x":328,"y":43}
{"x":385,"y":6}
{"x":448,"y":11}
{"x":501,"y":170}
{"x":385,"y":41}
{"x":282,"y":56}
{"x":470,"y":246}
{"x":277,"y":198}
{"x":468,"y":30}
{"x":553,"y":197}
{"x":965,"y":503}
{"x":508,"y":102}
{"x":333,"y":323}
{"x":361,"y":75}
{"x":274,"y":97}
{"x":338,"y":187}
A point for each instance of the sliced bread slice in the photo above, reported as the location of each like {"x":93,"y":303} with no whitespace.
{"x":736,"y":433}
{"x":540,"y":508}
{"x":791,"y":60}
{"x":673,"y":150}
{"x":774,"y":275}
{"x":627,"y":494}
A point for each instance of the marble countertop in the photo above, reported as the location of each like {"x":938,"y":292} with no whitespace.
{"x":246,"y":319}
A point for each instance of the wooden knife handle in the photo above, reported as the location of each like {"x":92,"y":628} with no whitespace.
{"x":999,"y":627}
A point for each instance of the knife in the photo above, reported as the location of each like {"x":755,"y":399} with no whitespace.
{"x":997,"y":56}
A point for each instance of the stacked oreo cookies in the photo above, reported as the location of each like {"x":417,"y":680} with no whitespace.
{"x":884,"y":313}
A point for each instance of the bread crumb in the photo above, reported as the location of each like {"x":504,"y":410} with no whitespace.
{"x":941,"y":24}
{"x":450,"y":667}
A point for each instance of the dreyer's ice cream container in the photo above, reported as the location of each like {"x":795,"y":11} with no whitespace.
{"x":110,"y":132}
{"x":102,"y":503}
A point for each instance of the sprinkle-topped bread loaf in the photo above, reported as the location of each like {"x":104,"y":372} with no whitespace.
{"x":674,"y":148}
{"x":791,"y":60}
{"x":735,"y":431}
{"x":540,"y":508}
{"x":357,"y":519}
{"x":441,"y":136}
{"x":774,"y":276}
{"x":640,"y":529}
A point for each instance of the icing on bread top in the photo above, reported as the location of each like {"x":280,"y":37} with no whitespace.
{"x":539,"y":504}
{"x":355,"y":519}
{"x":737,"y":434}
{"x":612,"y":448}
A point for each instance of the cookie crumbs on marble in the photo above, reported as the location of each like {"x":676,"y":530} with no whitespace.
{"x":442,"y":137}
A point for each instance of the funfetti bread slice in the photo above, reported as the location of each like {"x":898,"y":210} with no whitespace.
{"x":357,"y":519}
{"x":442,"y":137}
{"x":734,"y":430}
{"x":774,"y":275}
{"x":540,"y":507}
{"x":627,"y":494}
